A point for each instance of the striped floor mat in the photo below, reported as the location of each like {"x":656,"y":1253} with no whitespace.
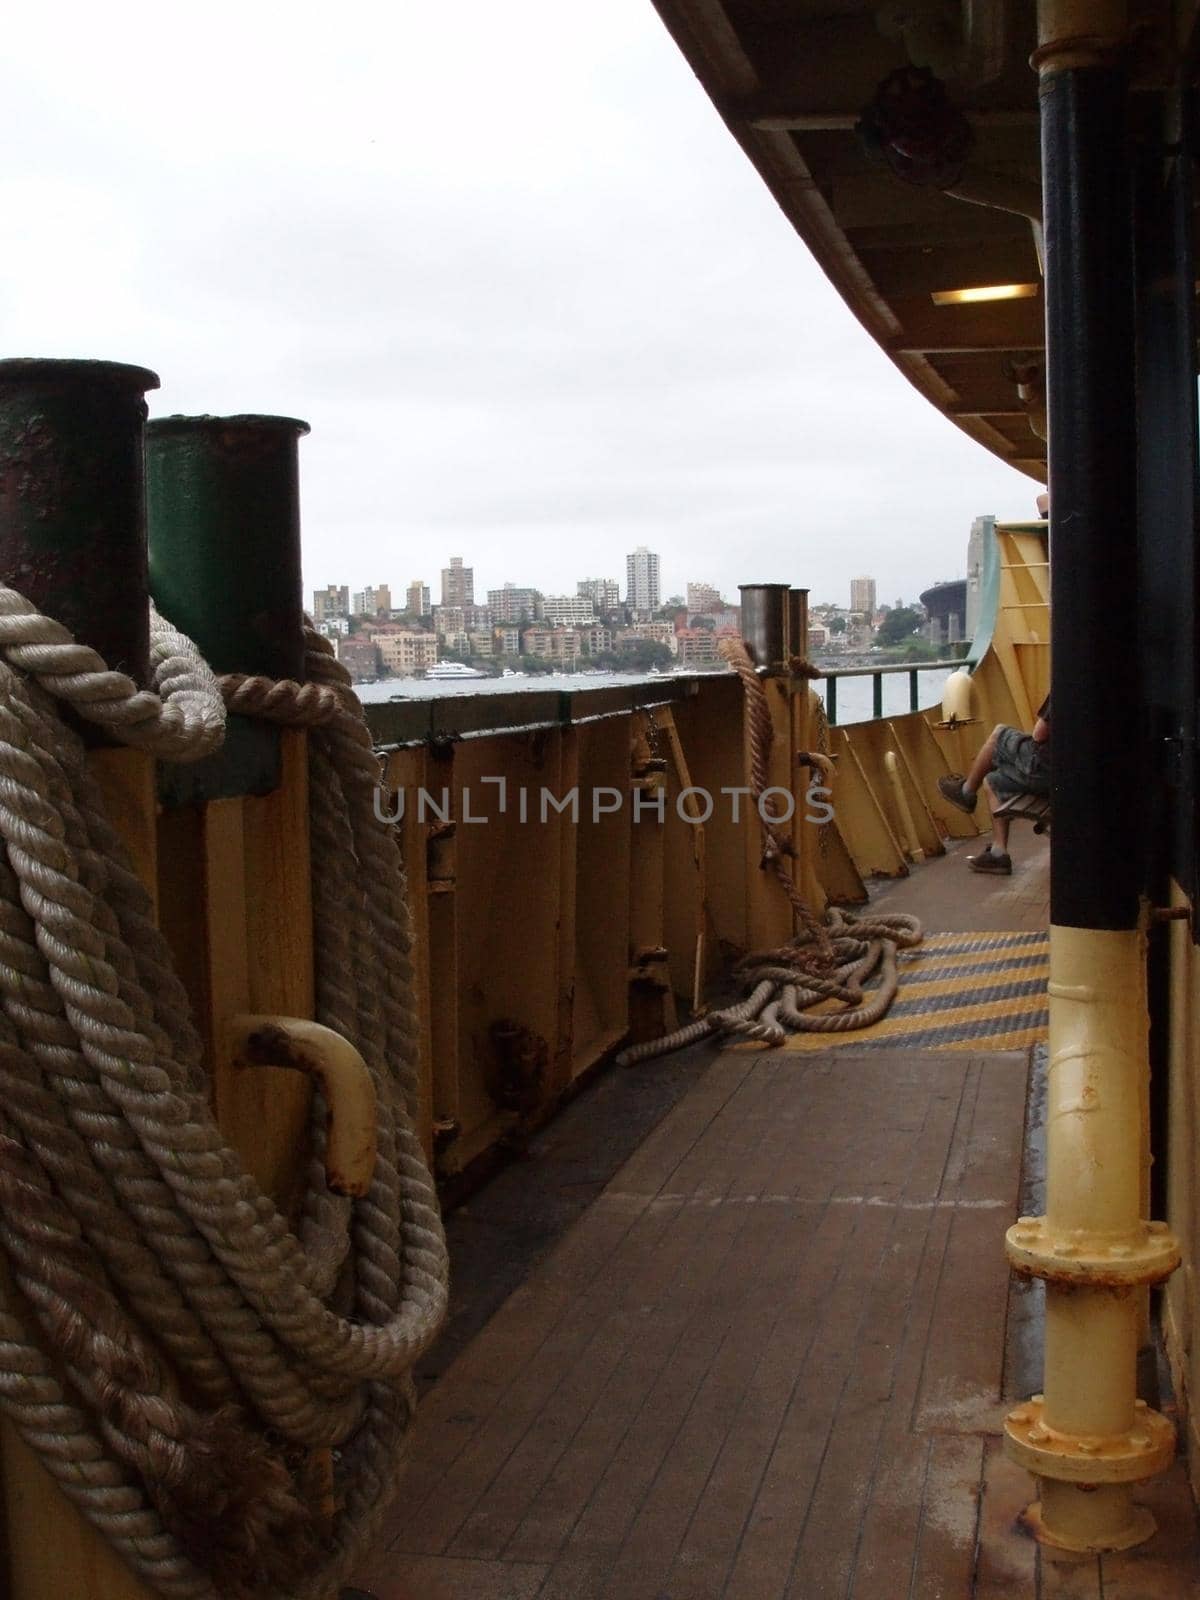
{"x":957,"y":992}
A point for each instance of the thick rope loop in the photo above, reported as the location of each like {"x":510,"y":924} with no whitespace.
{"x":182,"y":718}
{"x":132,"y":1234}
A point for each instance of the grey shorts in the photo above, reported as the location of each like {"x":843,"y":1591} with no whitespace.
{"x":1020,"y":765}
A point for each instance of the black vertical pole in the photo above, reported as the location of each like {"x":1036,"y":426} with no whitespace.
{"x":223,"y":499}
{"x":223,"y":504}
{"x":1095,"y":868}
{"x":73,"y":501}
{"x":1167,"y":495}
{"x":1167,"y":488}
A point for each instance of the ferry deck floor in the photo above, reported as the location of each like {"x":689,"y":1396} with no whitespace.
{"x":769,"y":1356}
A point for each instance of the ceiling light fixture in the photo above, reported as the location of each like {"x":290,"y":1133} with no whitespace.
{"x":992,"y":291}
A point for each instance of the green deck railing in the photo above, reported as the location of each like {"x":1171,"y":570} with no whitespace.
{"x":831,"y":675}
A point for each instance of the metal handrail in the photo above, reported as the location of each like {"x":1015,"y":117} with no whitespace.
{"x":877,"y":675}
{"x":405,"y":724}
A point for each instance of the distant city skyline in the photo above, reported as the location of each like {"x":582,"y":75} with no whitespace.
{"x":594,"y":623}
{"x":510,"y":597}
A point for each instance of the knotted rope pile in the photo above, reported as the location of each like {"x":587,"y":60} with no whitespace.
{"x":780,"y":985}
{"x":830,"y":958}
{"x":133,"y":1236}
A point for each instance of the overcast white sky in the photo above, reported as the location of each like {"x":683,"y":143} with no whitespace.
{"x":509,"y":264}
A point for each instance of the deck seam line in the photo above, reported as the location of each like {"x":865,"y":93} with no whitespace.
{"x":914,"y":1559}
{"x":980,"y":1492}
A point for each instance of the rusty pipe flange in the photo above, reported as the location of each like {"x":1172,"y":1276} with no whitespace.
{"x":1046,"y":1523}
{"x":1084,"y":1260}
{"x":1146,"y":1450}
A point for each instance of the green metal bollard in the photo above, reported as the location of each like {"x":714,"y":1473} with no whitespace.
{"x":223,"y":510}
{"x":72,"y":501}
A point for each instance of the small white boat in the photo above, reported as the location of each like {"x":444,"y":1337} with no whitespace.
{"x":453,"y":669}
{"x":509,"y":672}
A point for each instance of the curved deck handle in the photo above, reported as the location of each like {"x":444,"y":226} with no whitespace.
{"x":260,"y":1041}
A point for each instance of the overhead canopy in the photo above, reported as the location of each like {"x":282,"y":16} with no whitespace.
{"x":880,"y":200}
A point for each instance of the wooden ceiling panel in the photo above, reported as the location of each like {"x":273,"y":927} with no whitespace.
{"x":791,"y":80}
{"x":920,"y":269}
{"x":999,"y":325}
{"x":960,"y":224}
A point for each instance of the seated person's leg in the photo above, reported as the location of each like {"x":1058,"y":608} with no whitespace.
{"x":1000,"y":825}
{"x":1018,"y":766}
{"x":995,"y":859}
{"x":1017,"y":770}
{"x":962,"y":792}
{"x":985,"y":760}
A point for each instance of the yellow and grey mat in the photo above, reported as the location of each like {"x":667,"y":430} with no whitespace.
{"x":959,"y":991}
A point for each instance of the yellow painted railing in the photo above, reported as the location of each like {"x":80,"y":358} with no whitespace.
{"x":550,"y":929}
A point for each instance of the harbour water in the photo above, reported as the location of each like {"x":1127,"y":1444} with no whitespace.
{"x":854,"y":695}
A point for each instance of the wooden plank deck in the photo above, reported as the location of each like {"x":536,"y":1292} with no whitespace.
{"x":769,"y":1362}
{"x":950,"y":898}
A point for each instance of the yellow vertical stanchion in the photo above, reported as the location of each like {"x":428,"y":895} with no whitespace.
{"x":404,"y":776}
{"x":805,"y":774}
{"x":1088,"y":1440}
{"x":651,"y":1000}
{"x":446,"y":1034}
{"x":695,"y":813}
{"x":769,"y":917}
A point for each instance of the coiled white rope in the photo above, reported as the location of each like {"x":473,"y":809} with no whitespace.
{"x":181,"y":719}
{"x":133,"y":1235}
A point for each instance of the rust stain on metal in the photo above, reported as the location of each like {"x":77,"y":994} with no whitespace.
{"x":273,"y":1047}
{"x":348,"y":1179}
{"x":1091,"y":1278}
{"x":31,"y":469}
{"x":445,"y":1131}
{"x":520,"y":1058}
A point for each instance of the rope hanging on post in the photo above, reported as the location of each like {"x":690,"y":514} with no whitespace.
{"x":830,"y":958}
{"x":180,"y":719}
{"x":133,"y":1235}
